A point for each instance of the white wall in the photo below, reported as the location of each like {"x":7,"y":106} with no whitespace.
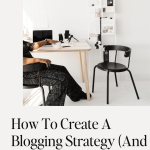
{"x":133,"y":30}
{"x":132,"y":22}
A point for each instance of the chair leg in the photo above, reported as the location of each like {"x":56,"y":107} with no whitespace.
{"x":93,"y":79}
{"x":133,"y":84}
{"x":116,"y":79}
{"x":107,"y":87}
{"x":43,"y":96}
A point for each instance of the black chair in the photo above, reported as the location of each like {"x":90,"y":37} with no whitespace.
{"x":113,"y":66}
{"x":31,"y":68}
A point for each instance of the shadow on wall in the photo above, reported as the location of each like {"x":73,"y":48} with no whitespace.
{"x":27,"y":25}
{"x":34,"y":15}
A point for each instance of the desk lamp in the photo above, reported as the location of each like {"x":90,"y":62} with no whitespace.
{"x":70,"y":37}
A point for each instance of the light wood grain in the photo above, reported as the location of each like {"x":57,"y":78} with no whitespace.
{"x":85,"y":74}
{"x":80,"y":66}
{"x":82,"y":45}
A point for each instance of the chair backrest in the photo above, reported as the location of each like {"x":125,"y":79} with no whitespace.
{"x":125,"y":49}
{"x":34,"y":67}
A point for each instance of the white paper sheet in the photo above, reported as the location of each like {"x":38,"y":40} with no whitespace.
{"x":98,"y":3}
{"x":94,"y":26}
{"x":104,"y":3}
{"x":92,"y":13}
{"x":97,"y":26}
{"x":108,"y":26}
{"x":110,"y":9}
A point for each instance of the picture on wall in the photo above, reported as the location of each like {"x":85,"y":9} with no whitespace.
{"x":108,"y":29}
{"x":107,"y":26}
{"x":109,"y":2}
{"x":98,"y":12}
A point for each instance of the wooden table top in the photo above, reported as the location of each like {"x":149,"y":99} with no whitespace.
{"x":82,"y":45}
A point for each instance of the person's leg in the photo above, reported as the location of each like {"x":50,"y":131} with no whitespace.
{"x":57,"y":94}
{"x":61,"y":82}
{"x":74,"y":90}
{"x":60,"y":73}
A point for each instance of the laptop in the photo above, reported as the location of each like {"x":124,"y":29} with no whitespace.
{"x":40,"y":35}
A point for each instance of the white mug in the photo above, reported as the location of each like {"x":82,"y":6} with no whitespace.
{"x":57,"y":45}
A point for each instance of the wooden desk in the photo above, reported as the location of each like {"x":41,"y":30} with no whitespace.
{"x":81,"y":47}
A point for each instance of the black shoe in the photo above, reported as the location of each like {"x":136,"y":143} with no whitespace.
{"x":82,"y":96}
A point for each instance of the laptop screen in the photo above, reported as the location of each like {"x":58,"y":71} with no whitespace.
{"x":39,"y":35}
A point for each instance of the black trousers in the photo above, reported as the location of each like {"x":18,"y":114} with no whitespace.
{"x":60,"y":81}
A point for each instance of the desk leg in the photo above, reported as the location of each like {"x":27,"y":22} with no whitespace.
{"x":80,"y":65}
{"x":86,"y":74}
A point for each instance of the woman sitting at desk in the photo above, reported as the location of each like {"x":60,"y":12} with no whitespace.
{"x":56,"y":76}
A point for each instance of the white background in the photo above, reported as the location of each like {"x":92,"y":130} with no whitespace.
{"x":131,"y":121}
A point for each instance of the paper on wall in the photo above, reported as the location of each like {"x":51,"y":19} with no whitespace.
{"x":92,"y":13}
{"x":108,"y":26}
{"x":104,"y":3}
{"x":97,"y":26}
{"x":110,"y":9}
{"x":98,"y":3}
{"x":93,"y":35}
{"x":98,"y":12}
{"x":94,"y":26}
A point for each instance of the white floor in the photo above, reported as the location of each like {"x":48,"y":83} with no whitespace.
{"x":124,"y":95}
